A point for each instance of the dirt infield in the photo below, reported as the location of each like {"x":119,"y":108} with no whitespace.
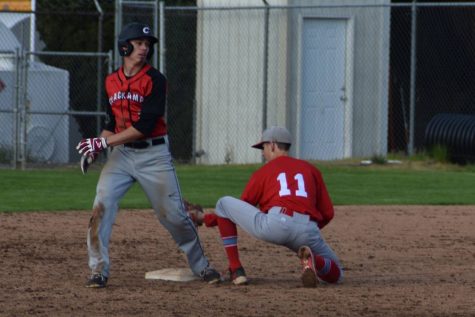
{"x":399,"y":261}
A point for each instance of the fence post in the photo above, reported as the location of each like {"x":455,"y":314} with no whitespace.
{"x":15,"y":112}
{"x":117,"y":27}
{"x":99,"y":64}
{"x":25,"y":109}
{"x":266,"y":61}
{"x":162,"y":37}
{"x":412,"y":102}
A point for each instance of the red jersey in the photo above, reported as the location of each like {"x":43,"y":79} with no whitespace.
{"x":291,"y":183}
{"x":138,"y":101}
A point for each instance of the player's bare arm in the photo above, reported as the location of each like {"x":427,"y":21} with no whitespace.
{"x":128,"y":135}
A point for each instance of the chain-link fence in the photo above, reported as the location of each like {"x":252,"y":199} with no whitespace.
{"x":51,"y":100}
{"x":347,"y":79}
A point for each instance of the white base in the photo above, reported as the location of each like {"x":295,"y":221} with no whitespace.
{"x":172,"y":274}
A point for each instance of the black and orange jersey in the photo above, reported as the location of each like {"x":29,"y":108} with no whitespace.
{"x":138,"y":101}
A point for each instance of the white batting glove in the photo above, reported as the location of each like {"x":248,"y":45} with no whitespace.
{"x":91,"y":146}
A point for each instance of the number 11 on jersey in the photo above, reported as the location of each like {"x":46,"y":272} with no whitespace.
{"x":284,"y":188}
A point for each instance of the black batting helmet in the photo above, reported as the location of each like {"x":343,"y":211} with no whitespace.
{"x":131,"y":31}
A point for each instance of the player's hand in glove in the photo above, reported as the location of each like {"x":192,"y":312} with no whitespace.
{"x":195,"y":211}
{"x":91,"y":146}
{"x":87,"y":160}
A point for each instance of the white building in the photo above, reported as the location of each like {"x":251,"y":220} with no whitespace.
{"x":47,"y":91}
{"x":324,"y":68}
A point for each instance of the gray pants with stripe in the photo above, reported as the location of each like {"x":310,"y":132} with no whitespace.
{"x":153,"y":169}
{"x":275,"y":227}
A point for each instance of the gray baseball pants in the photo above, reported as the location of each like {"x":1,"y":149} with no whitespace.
{"x":276,"y":227}
{"x":153,"y":169}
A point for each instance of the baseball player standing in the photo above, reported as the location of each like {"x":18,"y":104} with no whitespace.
{"x":136,"y":129}
{"x":294,"y":206}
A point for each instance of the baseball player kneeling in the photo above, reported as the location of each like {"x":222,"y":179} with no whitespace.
{"x":294,"y":206}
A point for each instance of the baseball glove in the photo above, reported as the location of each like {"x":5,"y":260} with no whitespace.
{"x":195,"y":212}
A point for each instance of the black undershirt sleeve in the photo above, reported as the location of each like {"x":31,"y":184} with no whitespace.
{"x":153,"y":106}
{"x":110,"y":119}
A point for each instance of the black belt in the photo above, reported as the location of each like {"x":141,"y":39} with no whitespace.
{"x":145,"y":144}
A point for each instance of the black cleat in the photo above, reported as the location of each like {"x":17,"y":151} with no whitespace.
{"x":238,"y":276}
{"x":210,"y":275}
{"x":97,"y":280}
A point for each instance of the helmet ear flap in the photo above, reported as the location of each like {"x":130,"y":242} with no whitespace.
{"x":125,"y":48}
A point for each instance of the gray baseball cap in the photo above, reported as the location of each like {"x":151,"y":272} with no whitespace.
{"x":274,"y":134}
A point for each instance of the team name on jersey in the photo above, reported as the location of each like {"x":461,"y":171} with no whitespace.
{"x":121,"y":95}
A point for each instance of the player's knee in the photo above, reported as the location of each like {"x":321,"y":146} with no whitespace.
{"x":97,"y":214}
{"x":223,"y":202}
{"x":173,"y":216}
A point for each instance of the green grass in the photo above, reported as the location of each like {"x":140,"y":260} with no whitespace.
{"x":348,"y":184}
{"x":353,"y":186}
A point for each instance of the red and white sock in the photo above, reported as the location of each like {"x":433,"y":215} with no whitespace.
{"x":228,"y":232}
{"x":327,"y":269}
